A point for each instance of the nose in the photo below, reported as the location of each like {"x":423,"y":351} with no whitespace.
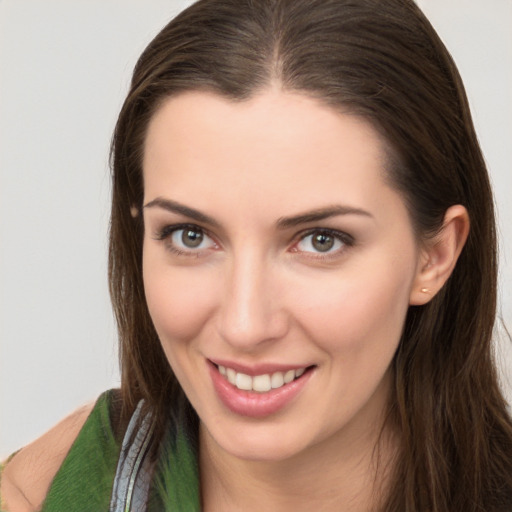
{"x":251,"y":312}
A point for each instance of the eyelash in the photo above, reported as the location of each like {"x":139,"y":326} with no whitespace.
{"x":346,"y":240}
{"x":165,"y":235}
{"x":340,"y":236}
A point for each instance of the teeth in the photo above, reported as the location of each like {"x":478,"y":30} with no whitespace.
{"x":277,"y":380}
{"x":231,"y":375}
{"x":260,"y":383}
{"x":243,"y":382}
{"x":289,"y":376}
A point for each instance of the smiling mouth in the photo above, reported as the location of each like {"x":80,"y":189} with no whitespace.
{"x":261,"y":383}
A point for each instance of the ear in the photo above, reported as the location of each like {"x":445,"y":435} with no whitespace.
{"x":439,"y":256}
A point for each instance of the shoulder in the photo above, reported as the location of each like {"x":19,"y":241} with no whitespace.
{"x":28,"y":475}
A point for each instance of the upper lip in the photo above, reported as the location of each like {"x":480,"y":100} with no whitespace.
{"x":257,"y":368}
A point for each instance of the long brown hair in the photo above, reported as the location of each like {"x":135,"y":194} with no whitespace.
{"x":380,"y":59}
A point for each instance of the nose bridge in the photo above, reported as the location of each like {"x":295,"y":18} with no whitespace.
{"x":250,"y":309}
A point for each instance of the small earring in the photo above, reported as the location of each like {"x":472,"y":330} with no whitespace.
{"x":424,"y":290}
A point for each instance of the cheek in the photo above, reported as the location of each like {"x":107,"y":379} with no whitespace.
{"x":358,"y":311}
{"x":179,"y":300}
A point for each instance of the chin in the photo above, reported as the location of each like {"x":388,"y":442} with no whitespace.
{"x":261,"y":450}
{"x":269,"y":442}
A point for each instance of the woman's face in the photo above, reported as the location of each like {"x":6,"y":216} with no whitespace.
{"x":278,"y":268}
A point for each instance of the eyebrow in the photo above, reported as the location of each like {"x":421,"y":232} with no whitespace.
{"x":320,"y":214}
{"x":282,"y":223}
{"x":175,"y":207}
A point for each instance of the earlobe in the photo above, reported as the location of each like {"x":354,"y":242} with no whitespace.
{"x":440,"y":255}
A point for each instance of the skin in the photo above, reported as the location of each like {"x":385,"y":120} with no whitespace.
{"x":256,"y":292}
{"x":27,"y":478}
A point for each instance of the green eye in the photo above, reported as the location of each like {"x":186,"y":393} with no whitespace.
{"x":321,"y":241}
{"x":191,"y":238}
{"x":186,"y":239}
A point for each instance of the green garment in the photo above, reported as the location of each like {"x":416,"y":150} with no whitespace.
{"x":84,"y":481}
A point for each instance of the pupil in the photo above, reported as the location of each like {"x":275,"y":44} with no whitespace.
{"x":323,"y":242}
{"x":191,"y":238}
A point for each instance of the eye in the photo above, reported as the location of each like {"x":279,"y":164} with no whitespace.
{"x":186,"y":239}
{"x":322,"y":241}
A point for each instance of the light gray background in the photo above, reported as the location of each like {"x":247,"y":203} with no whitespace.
{"x":64,"y":70}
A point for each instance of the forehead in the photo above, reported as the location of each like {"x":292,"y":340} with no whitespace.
{"x":279,"y":145}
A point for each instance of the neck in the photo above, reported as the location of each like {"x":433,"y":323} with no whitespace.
{"x":346,"y":472}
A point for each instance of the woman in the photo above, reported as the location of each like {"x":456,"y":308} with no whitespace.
{"x":303,"y":268}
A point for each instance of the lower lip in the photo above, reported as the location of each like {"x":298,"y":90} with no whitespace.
{"x":254,"y":404}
